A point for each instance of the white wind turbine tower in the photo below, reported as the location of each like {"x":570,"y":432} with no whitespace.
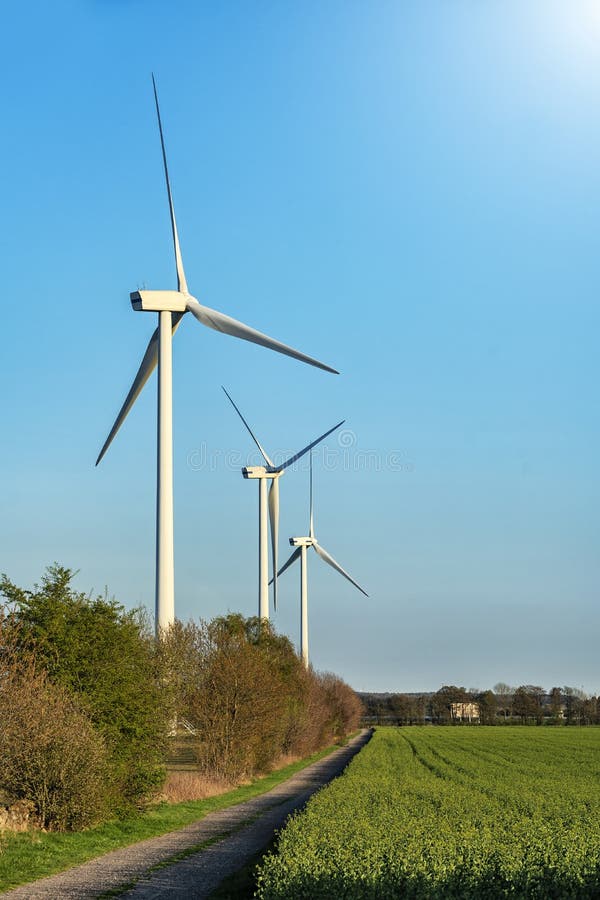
{"x":302,"y":544}
{"x":263,"y":474}
{"x":171,"y":306}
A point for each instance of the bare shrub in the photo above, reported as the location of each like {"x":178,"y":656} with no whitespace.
{"x":344,"y":706}
{"x":103,"y":656}
{"x":310,"y":727}
{"x":248,"y":696}
{"x":50,"y":754}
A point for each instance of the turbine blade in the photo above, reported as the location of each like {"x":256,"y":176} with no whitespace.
{"x":326,"y":557}
{"x":301,"y":453}
{"x":225,"y":324}
{"x":181,"y":282}
{"x":147,"y":366}
{"x":295,"y":555}
{"x":311,"y":524}
{"x":274,"y":525}
{"x":250,"y":432}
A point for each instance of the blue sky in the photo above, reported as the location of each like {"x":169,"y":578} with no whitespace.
{"x":409,"y":191}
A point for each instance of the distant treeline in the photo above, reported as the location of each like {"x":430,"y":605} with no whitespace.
{"x":89,"y":700}
{"x":526,"y":705}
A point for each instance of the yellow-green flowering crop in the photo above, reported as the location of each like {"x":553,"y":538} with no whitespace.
{"x":426,"y":812}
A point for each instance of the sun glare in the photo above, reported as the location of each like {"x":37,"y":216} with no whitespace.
{"x":574,"y":29}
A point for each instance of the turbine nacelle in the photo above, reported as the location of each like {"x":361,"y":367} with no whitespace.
{"x":261,"y":472}
{"x":302,"y":541}
{"x":159,"y":301}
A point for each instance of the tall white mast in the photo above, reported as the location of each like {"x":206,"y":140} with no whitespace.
{"x":171,"y":307}
{"x":165,"y":565}
{"x":302,"y":544}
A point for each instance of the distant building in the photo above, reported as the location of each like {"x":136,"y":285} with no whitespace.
{"x":465,"y":711}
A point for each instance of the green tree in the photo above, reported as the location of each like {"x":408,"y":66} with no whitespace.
{"x":527,"y":703}
{"x":103,"y":655}
{"x":400,"y":708}
{"x":588,"y":711}
{"x":487,"y":707}
{"x":417,"y":709}
{"x":556,"y":701}
{"x":504,"y":693}
{"x":574,"y":704}
{"x":442,"y":701}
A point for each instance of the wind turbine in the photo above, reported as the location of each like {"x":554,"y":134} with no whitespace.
{"x":171,"y":307}
{"x":263,"y":474}
{"x":302,"y":544}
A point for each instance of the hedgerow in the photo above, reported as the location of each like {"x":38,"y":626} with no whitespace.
{"x":88,"y":697}
{"x":248,"y":697}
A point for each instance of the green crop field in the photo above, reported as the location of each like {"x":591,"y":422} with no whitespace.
{"x":450,"y":812}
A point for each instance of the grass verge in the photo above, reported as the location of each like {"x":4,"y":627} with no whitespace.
{"x":28,"y":856}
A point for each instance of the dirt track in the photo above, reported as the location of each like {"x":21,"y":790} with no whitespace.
{"x":144,"y":870}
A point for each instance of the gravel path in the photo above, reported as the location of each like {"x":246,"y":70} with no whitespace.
{"x":236,"y":835}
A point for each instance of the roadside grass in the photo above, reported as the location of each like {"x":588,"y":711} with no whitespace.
{"x":31,"y":855}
